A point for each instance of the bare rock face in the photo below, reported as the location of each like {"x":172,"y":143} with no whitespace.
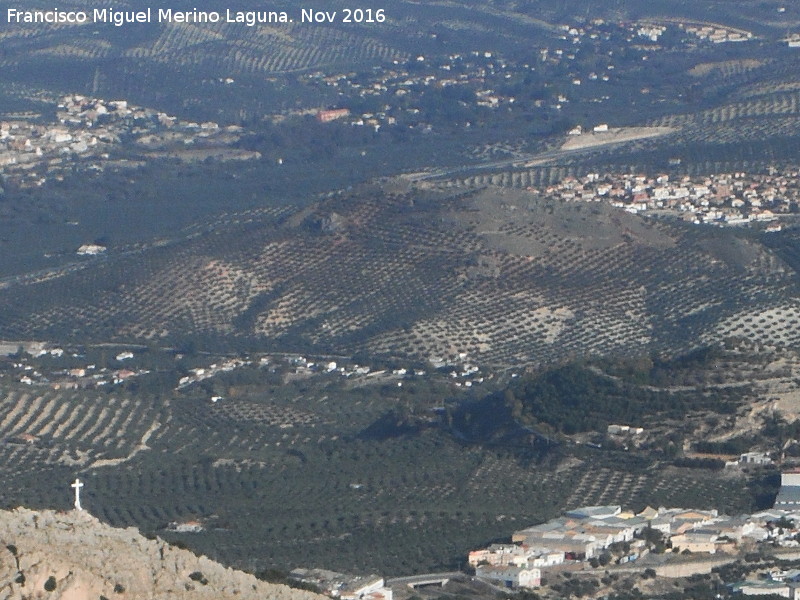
{"x":72,"y":556}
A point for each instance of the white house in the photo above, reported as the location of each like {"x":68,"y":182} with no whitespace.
{"x":91,"y":249}
{"x":755,"y":458}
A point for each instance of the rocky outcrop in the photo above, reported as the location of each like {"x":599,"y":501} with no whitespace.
{"x":72,"y":556}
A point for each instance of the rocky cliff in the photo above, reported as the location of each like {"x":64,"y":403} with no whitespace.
{"x":73,"y":556}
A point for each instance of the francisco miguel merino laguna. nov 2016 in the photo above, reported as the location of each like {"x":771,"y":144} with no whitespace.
{"x":168,"y":15}
{"x":128,"y":17}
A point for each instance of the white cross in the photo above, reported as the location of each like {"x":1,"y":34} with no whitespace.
{"x":77,"y":485}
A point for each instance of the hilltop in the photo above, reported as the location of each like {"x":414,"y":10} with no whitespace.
{"x":505,"y":276}
{"x":72,"y":555}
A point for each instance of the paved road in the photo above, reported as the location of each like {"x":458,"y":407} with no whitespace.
{"x":530,"y":160}
{"x":423,"y":579}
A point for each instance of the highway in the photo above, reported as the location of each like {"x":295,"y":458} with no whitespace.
{"x":425,"y":579}
{"x":530,"y":160}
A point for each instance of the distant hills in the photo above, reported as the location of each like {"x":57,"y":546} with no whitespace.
{"x":393,"y":269}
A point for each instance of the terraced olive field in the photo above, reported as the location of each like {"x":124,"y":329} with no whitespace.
{"x":502,"y":276}
{"x":473,"y":268}
{"x":280,"y":482}
{"x":213,"y":47}
{"x":741,"y":114}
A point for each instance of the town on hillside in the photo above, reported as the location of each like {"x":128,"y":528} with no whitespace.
{"x":672,"y":542}
{"x":87,"y":130}
{"x":662,"y":542}
{"x":724,"y":199}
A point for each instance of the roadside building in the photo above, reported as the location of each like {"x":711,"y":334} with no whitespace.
{"x":767,"y":588}
{"x":789,"y":494}
{"x":510,"y":577}
{"x":695,"y":541}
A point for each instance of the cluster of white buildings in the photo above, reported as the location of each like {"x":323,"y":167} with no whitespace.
{"x":396,"y":85}
{"x":78,"y":378}
{"x":484,"y":73}
{"x":780,"y":583}
{"x":609,"y":533}
{"x":650,"y":32}
{"x":88,"y":128}
{"x":201,"y":373}
{"x":712,"y":33}
{"x":59,"y":378}
{"x":624,"y":430}
{"x":722,"y":199}
{"x":717,"y":34}
{"x":302,"y":367}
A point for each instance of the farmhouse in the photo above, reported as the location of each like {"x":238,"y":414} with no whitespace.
{"x":186,"y":527}
{"x":755,"y":458}
{"x":91,"y":249}
{"x":625,"y":429}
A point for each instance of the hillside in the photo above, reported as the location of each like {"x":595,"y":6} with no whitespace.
{"x":72,"y":556}
{"x":390,"y":269}
{"x":299,"y":468}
